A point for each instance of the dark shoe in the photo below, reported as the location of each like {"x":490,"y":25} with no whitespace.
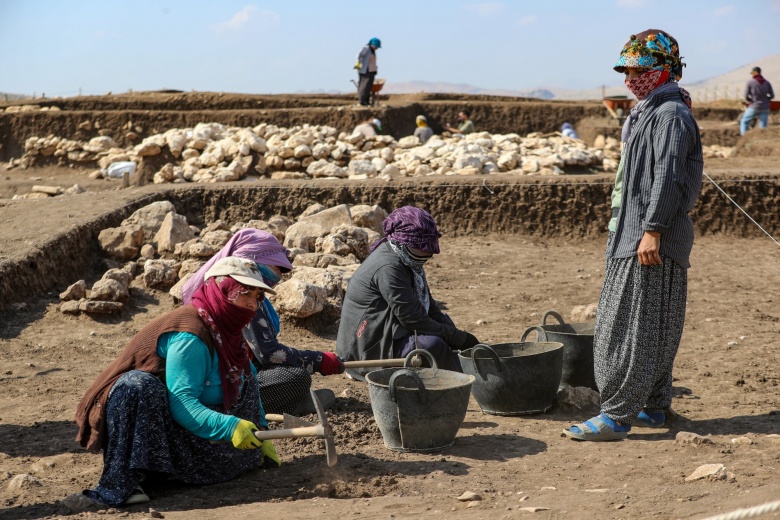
{"x":306,"y":407}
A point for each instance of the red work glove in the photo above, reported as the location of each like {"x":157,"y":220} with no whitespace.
{"x":331,"y":364}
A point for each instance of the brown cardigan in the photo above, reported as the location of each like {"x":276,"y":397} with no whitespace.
{"x":139,"y":354}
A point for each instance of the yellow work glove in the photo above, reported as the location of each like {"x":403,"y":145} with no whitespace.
{"x":357,"y":65}
{"x":269,"y":452}
{"x":244,"y":437}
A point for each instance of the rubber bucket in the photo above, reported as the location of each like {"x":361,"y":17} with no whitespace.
{"x":577,"y":339}
{"x":419,"y":409}
{"x":515,"y":378}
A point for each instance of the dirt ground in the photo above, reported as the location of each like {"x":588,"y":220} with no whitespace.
{"x":726,"y":385}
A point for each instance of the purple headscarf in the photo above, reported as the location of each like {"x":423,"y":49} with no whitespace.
{"x":412,"y":227}
{"x":252,"y":244}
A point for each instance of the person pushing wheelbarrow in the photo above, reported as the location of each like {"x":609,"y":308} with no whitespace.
{"x":366,"y":67}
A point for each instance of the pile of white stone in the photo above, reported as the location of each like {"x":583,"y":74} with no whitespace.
{"x":158,"y":249}
{"x":717,"y":151}
{"x":212,"y":152}
{"x":29,"y":108}
{"x":476,"y":154}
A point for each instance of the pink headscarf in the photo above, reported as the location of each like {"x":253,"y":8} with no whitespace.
{"x":253,"y":244}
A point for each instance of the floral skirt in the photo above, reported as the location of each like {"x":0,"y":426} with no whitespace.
{"x":143,"y":439}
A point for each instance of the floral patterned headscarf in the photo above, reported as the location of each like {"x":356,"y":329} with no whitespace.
{"x":652,"y":49}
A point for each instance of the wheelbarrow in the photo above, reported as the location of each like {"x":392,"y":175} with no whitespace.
{"x":376,"y":87}
{"x":617,"y":106}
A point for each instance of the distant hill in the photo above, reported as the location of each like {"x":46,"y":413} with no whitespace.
{"x":725,"y":85}
{"x":733,"y":82}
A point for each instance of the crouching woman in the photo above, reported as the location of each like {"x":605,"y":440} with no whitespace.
{"x":181,"y":401}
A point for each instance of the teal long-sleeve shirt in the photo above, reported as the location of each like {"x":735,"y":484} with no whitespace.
{"x":194,"y":383}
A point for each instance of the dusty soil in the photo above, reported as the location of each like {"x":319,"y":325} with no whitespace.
{"x":725,"y":385}
{"x":508,"y":256}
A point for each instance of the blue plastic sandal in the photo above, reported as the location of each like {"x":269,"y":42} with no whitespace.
{"x":650,"y":419}
{"x":600,"y":428}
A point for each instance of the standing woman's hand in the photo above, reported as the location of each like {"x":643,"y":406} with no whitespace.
{"x":649,"y":250}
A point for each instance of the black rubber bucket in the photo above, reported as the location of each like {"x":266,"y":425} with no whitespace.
{"x":419,"y":409}
{"x":515,"y":378}
{"x":577,"y":339}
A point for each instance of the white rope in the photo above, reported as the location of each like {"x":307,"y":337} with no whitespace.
{"x":750,"y":512}
{"x":740,"y":208}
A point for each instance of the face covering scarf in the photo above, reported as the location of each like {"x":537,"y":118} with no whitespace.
{"x":642,"y":85}
{"x":420,"y":283}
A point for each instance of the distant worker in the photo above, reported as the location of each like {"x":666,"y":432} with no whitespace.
{"x":423,"y":132}
{"x":366,"y":67}
{"x":369,"y":128}
{"x":466,"y":126}
{"x":568,"y":131}
{"x":758,"y":92}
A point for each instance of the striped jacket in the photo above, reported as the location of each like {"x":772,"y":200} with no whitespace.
{"x":661,"y":180}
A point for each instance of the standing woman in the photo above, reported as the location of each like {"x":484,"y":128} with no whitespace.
{"x":388,"y":308}
{"x":284,"y":373}
{"x":641,"y":310}
{"x":181,"y":401}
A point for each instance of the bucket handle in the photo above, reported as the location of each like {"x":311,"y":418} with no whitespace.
{"x":541,"y":335}
{"x":414,"y":377}
{"x":422,"y":352}
{"x":554,"y":315}
{"x":491,"y":353}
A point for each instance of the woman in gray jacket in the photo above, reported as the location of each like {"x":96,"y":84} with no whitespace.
{"x":641,"y":310}
{"x":388,"y":310}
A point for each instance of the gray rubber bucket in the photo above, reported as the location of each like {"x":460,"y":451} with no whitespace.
{"x":419,"y":409}
{"x":577,"y":339}
{"x":515,"y":378}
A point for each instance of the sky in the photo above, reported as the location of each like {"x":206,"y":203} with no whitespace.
{"x":63,"y":47}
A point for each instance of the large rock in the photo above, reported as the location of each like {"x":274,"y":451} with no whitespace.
{"x":366,"y":216}
{"x":299,"y":299}
{"x":190,"y":266}
{"x":72,"y":306}
{"x":173,"y":230}
{"x":323,"y":168}
{"x":709,"y":471}
{"x":323,"y":260}
{"x":76,"y":291}
{"x":177,"y":289}
{"x":100,"y":307}
{"x":311,"y":210}
{"x":199,"y":249}
{"x":159,"y":274}
{"x":330,"y":280}
{"x":150,"y":217}
{"x":331,"y":245}
{"x":216,"y":239}
{"x":108,"y":290}
{"x":122,"y":242}
{"x":306,"y":231}
{"x":356,"y":239}
{"x":123,"y":276}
